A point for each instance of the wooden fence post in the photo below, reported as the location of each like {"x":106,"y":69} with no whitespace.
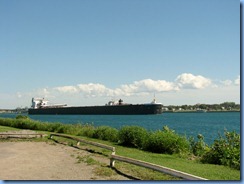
{"x":112,"y":160}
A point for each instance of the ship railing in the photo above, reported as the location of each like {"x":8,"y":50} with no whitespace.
{"x":148,"y":165}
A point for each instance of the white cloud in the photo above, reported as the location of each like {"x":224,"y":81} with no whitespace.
{"x":93,"y":89}
{"x":190,"y":81}
{"x":67,"y":89}
{"x":231,"y":82}
{"x":137,"y":91}
{"x":237,"y":81}
{"x":138,"y":87}
{"x":226,"y":82}
{"x":19,"y":95}
{"x":149,"y":85}
{"x":45,"y":92}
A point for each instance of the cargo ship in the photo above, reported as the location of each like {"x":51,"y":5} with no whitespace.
{"x":41,"y":106}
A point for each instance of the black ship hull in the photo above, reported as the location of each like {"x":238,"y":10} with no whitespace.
{"x":101,"y":110}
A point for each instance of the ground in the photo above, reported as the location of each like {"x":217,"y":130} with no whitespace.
{"x":31,"y":160}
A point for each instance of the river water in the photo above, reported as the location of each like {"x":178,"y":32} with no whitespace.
{"x":189,"y":124}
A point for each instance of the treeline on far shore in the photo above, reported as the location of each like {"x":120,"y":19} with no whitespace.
{"x":224,"y":151}
{"x":223,"y":107}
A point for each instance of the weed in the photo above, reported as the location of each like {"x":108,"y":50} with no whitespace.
{"x":104,"y":171}
{"x":87,"y":159}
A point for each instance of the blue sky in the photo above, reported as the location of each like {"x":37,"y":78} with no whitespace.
{"x":87,"y":52}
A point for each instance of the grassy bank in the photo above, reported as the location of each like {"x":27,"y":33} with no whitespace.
{"x":209,"y":171}
{"x":176,"y":152}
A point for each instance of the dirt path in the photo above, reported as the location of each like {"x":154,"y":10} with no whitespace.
{"x":48,"y":161}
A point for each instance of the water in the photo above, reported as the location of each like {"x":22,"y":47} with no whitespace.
{"x":189,"y":124}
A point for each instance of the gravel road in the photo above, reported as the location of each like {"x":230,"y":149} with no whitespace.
{"x":31,"y":160}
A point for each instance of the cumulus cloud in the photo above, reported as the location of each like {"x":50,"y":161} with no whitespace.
{"x":93,"y":89}
{"x":237,"y":81}
{"x":226,"y":82}
{"x":19,"y":95}
{"x":134,"y":90}
{"x":67,"y":89}
{"x":141,"y":87}
{"x":38,"y":93}
{"x":137,"y":87}
{"x":231,"y":82}
{"x":190,"y":81}
{"x":90,"y":89}
{"x":149,"y":85}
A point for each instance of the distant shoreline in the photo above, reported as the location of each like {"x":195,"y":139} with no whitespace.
{"x":198,"y":112}
{"x":182,"y":111}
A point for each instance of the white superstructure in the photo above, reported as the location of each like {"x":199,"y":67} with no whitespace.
{"x":42,"y":103}
{"x":113,"y":102}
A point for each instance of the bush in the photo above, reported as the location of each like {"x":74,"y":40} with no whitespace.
{"x":61,"y":128}
{"x":6,"y":122}
{"x":224,"y":151}
{"x":200,"y":147}
{"x":22,"y":124}
{"x":87,"y":130}
{"x":21,"y":117}
{"x":133,"y":136}
{"x":166,"y":141}
{"x":106,"y":133}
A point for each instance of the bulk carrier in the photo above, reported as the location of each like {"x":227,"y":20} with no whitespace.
{"x":41,"y":106}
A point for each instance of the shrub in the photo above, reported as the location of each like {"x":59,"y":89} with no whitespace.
{"x":224,"y":151}
{"x":87,"y":130}
{"x":166,"y":141}
{"x":33,"y":125}
{"x":66,"y":129}
{"x":61,"y":129}
{"x":21,"y":117}
{"x":106,"y":133}
{"x":7,"y":122}
{"x":22,"y":124}
{"x":133,"y":136}
{"x":200,"y":147}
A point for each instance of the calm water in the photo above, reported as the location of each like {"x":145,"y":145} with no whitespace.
{"x":189,"y":124}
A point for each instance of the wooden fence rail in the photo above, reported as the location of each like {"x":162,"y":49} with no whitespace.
{"x":19,"y":135}
{"x":85,"y":141}
{"x":133,"y":161}
{"x":154,"y":167}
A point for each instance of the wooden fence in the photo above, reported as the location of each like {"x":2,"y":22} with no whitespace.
{"x":155,"y":167}
{"x":6,"y":135}
{"x":85,"y":141}
{"x":114,"y":157}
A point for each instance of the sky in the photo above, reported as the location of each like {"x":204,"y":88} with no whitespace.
{"x":88,"y":52}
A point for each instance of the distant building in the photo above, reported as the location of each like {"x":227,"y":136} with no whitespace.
{"x":165,"y":108}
